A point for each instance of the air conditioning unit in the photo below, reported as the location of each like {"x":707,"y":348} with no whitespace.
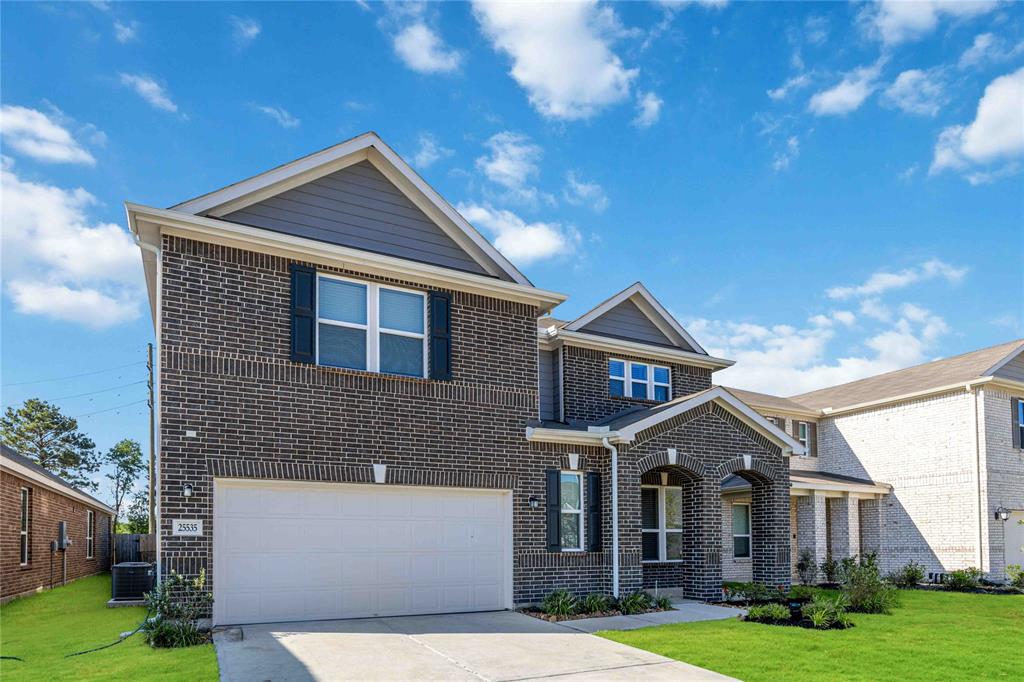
{"x":130,"y":580}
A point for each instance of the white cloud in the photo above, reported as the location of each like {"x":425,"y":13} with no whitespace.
{"x":846,"y":96}
{"x":421,"y":49}
{"x":908,"y":173}
{"x":787,"y":155}
{"x":126,"y":31}
{"x":430,"y":151}
{"x":561,"y":54}
{"x":149,"y":90}
{"x":244,"y":30}
{"x":512,"y":164}
{"x":917,"y":92}
{"x":46,"y":232}
{"x":883,"y":281}
{"x":797,"y":82}
{"x":578,"y":192}
{"x":816,"y":29}
{"x":988,"y":48}
{"x":898,"y":21}
{"x":41,"y":137}
{"x":648,"y":106}
{"x":875,"y":309}
{"x":521,"y":242}
{"x":279,"y":114}
{"x":996,"y":134}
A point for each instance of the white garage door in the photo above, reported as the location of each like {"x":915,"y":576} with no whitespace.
{"x":309,"y":551}
{"x":1013,"y":537}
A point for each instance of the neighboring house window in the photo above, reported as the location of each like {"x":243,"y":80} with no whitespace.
{"x":372,"y":327}
{"x":23,"y":528}
{"x":802,"y":429}
{"x":639,"y":380}
{"x":571,"y":499}
{"x":741,"y":531}
{"x":661,"y":511}
{"x":1020,"y":423}
{"x":90,"y":531}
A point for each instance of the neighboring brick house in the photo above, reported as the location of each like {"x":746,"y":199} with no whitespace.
{"x":944,"y":436}
{"x":33,"y":502}
{"x":359,"y":416}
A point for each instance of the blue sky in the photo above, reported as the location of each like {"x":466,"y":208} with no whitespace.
{"x":819,"y":191}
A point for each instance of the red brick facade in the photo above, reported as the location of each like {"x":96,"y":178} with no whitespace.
{"x":46,"y":508}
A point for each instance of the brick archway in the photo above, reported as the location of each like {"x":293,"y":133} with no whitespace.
{"x":748,"y":467}
{"x":684,"y":464}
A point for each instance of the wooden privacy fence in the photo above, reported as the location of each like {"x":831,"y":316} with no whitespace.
{"x":134,"y":547}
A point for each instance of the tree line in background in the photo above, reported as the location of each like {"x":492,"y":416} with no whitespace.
{"x":38,"y":430}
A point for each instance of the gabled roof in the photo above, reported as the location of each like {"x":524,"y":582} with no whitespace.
{"x":23,"y":467}
{"x":369,"y":147}
{"x":947,"y":372}
{"x":638,"y":295}
{"x":771,"y":403}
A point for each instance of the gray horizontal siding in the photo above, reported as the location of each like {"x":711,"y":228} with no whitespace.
{"x":627,"y":321}
{"x":1014,"y":369}
{"x":358,"y":207}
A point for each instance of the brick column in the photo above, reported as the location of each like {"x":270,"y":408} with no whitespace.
{"x":702,"y":531}
{"x":845,"y":527}
{"x":770,"y":532}
{"x":811,"y":529}
{"x":871,"y":527}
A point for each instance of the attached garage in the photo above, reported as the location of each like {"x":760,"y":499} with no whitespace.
{"x":288,"y":551}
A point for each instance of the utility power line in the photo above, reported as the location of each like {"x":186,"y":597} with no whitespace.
{"x":75,"y":376}
{"x":109,"y":409}
{"x":102,"y":390}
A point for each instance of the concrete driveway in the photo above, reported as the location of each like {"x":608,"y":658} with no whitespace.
{"x":500,"y":645}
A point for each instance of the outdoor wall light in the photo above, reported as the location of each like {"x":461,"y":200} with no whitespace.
{"x":534,"y":502}
{"x":186,"y":490}
{"x":1002,"y":513}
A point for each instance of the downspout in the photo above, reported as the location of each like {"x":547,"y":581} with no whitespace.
{"x":156,"y":250}
{"x":615,"y":514}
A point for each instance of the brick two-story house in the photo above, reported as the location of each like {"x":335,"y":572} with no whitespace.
{"x":364,"y":409}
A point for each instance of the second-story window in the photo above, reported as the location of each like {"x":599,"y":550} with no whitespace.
{"x":372,"y":327}
{"x":639,"y":380}
{"x":803,"y":429}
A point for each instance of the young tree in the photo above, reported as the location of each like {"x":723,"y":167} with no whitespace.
{"x":137,"y":519}
{"x":39,"y":431}
{"x":126,"y":463}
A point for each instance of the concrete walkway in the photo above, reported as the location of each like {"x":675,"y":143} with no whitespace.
{"x":685,"y":612}
{"x":499,"y":645}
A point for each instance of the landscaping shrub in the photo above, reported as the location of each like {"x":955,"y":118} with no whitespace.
{"x":177,"y":604}
{"x":637,"y":602}
{"x":963,"y":580}
{"x":827,"y":613}
{"x":830,"y":569}
{"x":559,"y":603}
{"x":908,"y":576}
{"x":663,"y":602}
{"x":846,"y":567}
{"x":768,"y":613}
{"x":807,"y":567}
{"x":752,"y":592}
{"x":596,"y":603}
{"x":1016,"y":573}
{"x":866,"y":592}
{"x":802,"y":593}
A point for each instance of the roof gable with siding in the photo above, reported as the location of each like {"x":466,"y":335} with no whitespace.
{"x":627,"y":321}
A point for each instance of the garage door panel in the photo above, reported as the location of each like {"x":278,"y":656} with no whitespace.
{"x":300,"y":551}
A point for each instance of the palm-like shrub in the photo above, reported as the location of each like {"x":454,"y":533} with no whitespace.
{"x":768,"y":613}
{"x":559,"y":603}
{"x":637,"y":602}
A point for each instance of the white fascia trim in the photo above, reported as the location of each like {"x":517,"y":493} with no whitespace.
{"x":266,"y":241}
{"x":729,"y":402}
{"x":607,"y":343}
{"x":21,"y":471}
{"x":1005,"y":361}
{"x":367,"y":146}
{"x":661,"y":318}
{"x":543,"y":435}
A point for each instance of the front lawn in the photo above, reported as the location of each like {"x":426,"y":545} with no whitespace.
{"x":930,"y":636}
{"x":42,"y":628}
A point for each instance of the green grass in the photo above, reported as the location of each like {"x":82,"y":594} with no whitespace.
{"x":42,"y":628}
{"x":931,"y":636}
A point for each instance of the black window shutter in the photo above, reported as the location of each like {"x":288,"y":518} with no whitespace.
{"x":303,"y":313}
{"x":1015,"y":410}
{"x":812,"y":439}
{"x":552,"y":507}
{"x":593,"y":511}
{"x":440,"y":335}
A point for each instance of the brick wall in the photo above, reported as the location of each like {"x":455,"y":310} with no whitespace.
{"x":585,"y":378}
{"x":46,"y":509}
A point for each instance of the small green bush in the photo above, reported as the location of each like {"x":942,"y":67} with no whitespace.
{"x":559,"y":603}
{"x":830,"y":569}
{"x":663,"y":602}
{"x":963,"y":580}
{"x":827,"y":613}
{"x":866,"y":592}
{"x":807,"y":567}
{"x":177,"y":604}
{"x":1016,"y":574}
{"x":908,"y":576}
{"x":847,"y":565}
{"x":637,"y":602}
{"x":802,"y":592}
{"x":752,"y":592}
{"x":768,"y":613}
{"x":596,"y":603}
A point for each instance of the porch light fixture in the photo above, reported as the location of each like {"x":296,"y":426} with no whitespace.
{"x":186,"y":490}
{"x":534,"y":502}
{"x":1002,"y":513}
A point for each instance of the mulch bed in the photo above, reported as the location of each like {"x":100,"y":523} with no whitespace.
{"x":537,"y":613}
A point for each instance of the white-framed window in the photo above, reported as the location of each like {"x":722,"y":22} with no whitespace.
{"x":639,"y":380}
{"x":570,"y":496}
{"x":741,"y":531}
{"x":23,"y":529}
{"x":803,"y":430}
{"x":371,"y":327}
{"x":661,"y":511}
{"x":90,"y":532}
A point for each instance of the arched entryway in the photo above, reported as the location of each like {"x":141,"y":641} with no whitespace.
{"x":754,"y":522}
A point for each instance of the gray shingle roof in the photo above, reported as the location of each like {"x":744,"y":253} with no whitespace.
{"x":768,"y":402}
{"x":13,"y":455}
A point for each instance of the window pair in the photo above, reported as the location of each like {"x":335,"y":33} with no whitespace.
{"x":639,"y":380}
{"x":372,"y":327}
